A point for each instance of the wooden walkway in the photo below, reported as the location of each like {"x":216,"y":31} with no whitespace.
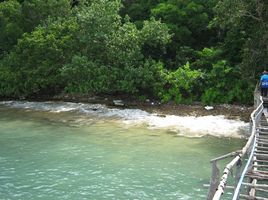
{"x":249,"y":166}
{"x":255,"y":183}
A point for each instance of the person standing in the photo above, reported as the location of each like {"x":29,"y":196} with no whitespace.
{"x":264,"y":84}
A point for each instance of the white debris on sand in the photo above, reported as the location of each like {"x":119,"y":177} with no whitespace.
{"x":209,"y":107}
{"x":118,"y":103}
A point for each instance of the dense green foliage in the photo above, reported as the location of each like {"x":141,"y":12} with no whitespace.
{"x":183,"y":50}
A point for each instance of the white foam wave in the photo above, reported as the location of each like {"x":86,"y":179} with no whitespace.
{"x":183,"y":125}
{"x":199,"y":126}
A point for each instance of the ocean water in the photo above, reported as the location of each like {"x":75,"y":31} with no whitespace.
{"x":56,"y":150}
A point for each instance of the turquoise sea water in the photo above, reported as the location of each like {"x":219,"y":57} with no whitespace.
{"x":68,"y":155}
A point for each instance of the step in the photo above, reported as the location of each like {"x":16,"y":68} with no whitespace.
{"x":252,"y":198}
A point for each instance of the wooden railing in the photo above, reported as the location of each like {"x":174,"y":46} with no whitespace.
{"x":217,"y":187}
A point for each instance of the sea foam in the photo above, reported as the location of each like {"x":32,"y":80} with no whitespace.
{"x":191,"y":126}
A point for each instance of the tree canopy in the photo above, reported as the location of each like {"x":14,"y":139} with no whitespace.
{"x":171,"y":50}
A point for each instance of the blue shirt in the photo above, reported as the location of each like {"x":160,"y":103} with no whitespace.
{"x":264,"y":81}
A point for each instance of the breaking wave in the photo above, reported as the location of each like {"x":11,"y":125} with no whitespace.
{"x":190,"y":126}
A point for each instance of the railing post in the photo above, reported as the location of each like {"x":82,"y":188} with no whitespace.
{"x":214,"y":180}
{"x":238,"y":171}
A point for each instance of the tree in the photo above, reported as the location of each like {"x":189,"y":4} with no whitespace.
{"x":90,"y":51}
{"x":10,"y":25}
{"x":247,"y":20}
{"x":188,"y":21}
{"x":36,"y":61}
{"x":18,"y":17}
{"x":37,"y":11}
{"x":115,"y":48}
{"x":138,"y":10}
{"x":182,"y":84}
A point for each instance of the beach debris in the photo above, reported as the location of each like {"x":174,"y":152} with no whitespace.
{"x":209,"y":107}
{"x":118,"y":103}
{"x":161,"y":115}
{"x":226,"y":106}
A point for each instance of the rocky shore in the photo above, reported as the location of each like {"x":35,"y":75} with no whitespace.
{"x":195,"y":109}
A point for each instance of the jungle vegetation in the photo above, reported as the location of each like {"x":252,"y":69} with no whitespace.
{"x":211,"y":51}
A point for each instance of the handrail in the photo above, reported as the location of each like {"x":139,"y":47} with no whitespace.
{"x":222,"y":185}
{"x":253,"y":118}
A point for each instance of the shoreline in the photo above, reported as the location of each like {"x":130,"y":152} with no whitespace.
{"x":170,"y":108}
{"x":196,"y":109}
